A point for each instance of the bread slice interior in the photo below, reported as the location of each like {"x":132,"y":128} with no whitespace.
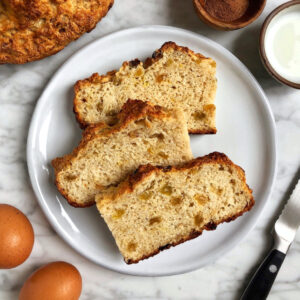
{"x":174,"y":77}
{"x":158,"y":207}
{"x":107,"y":154}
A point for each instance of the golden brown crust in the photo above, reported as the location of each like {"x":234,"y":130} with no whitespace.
{"x":207,"y":131}
{"x":145,"y":171}
{"x":109,"y":77}
{"x":33,"y":29}
{"x":132,"y":110}
{"x":171,"y":45}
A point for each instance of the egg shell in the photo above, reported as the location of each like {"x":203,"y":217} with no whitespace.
{"x":54,"y":281}
{"x":16,"y":237}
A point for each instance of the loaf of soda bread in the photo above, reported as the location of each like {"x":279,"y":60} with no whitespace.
{"x":143,"y":133}
{"x":34,"y":29}
{"x":174,"y":77}
{"x":159,"y":207}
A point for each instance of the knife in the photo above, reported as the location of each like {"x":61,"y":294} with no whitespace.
{"x":284,"y":233}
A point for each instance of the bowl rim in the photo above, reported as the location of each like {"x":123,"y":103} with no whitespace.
{"x":262,"y":50}
{"x":205,"y":16}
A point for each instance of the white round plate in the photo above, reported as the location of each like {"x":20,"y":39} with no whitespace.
{"x":246,"y":133}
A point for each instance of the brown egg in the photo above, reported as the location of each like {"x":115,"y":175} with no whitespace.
{"x":54,"y":281}
{"x":16,"y":237}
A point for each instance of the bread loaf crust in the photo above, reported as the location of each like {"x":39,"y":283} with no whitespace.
{"x":34,"y":29}
{"x":144,"y":171}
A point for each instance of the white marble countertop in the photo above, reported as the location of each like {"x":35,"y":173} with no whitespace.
{"x":20,"y":87}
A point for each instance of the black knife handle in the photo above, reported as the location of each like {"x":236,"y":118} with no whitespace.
{"x":262,"y":281}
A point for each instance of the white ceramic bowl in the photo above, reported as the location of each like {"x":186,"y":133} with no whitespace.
{"x":269,"y":28}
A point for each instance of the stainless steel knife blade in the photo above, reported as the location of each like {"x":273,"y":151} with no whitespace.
{"x":288,"y":222}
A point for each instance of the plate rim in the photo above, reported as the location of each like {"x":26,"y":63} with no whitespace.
{"x":33,"y":128}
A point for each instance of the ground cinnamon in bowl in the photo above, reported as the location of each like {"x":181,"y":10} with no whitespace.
{"x":229,"y":14}
{"x":226,"y":10}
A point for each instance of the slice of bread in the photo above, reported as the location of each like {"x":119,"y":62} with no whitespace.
{"x":174,"y":77}
{"x":159,"y":207}
{"x":107,"y":154}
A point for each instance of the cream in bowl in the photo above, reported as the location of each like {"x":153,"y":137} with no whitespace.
{"x":280,"y":43}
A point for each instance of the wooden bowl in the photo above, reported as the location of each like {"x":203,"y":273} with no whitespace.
{"x":246,"y":14}
{"x":262,"y":44}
